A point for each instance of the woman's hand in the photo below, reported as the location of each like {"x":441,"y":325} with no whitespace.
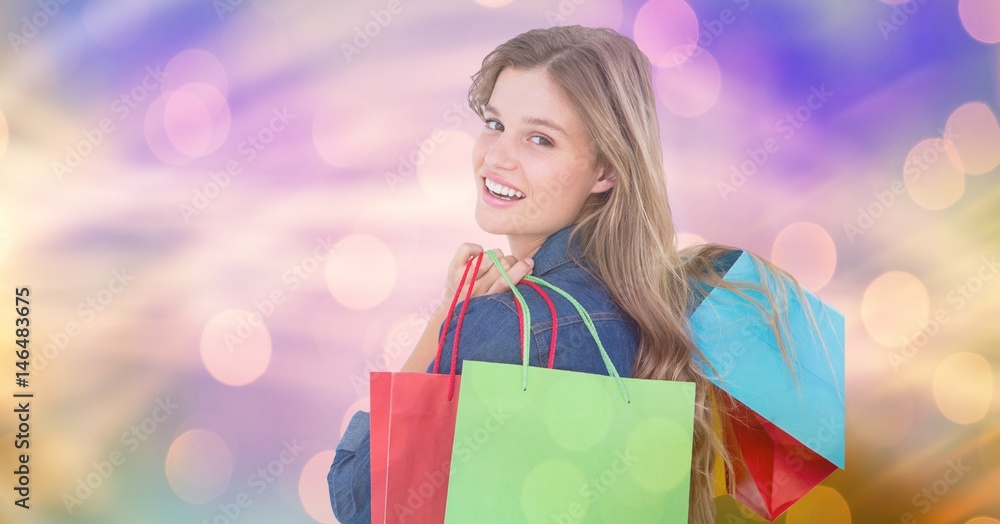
{"x":488,"y":280}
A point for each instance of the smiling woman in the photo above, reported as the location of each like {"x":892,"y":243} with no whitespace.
{"x":536,"y":148}
{"x":568,"y":166}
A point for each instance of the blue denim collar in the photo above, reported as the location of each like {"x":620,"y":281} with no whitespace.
{"x":557,"y":251}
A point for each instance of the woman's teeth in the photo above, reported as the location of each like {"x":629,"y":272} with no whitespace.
{"x":502,"y":191}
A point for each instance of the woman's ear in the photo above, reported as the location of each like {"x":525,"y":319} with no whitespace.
{"x":606,"y":181}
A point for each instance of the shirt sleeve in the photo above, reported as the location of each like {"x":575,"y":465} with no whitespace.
{"x":349,"y":478}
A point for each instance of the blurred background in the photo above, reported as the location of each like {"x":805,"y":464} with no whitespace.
{"x":228,"y":212}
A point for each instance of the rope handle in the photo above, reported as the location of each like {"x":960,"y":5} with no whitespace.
{"x":458,"y":326}
{"x":461,"y":319}
{"x":579,"y":308}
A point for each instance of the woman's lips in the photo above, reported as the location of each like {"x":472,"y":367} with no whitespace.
{"x":499,"y":181}
{"x":494,"y":201}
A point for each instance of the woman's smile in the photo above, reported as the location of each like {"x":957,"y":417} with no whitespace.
{"x":499,"y":193}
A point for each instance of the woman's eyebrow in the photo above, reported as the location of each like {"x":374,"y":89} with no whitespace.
{"x":532,"y":120}
{"x":545,"y":123}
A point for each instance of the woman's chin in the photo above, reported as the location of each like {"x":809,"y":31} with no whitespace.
{"x":493,"y":225}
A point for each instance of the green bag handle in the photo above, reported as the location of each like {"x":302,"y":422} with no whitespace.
{"x":526,"y":342}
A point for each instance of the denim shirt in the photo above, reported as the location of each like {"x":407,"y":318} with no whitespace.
{"x":490,"y":332}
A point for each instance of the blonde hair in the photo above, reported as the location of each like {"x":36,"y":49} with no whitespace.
{"x":627,"y":233}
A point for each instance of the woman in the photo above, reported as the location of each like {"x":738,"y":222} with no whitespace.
{"x":569,"y":167}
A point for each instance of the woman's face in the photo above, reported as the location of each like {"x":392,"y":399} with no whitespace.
{"x":534,"y":148}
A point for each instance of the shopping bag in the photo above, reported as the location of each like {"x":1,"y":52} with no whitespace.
{"x":785,"y":424}
{"x":545,"y":445}
{"x":412,"y":422}
{"x":772,"y":470}
{"x":412,"y":425}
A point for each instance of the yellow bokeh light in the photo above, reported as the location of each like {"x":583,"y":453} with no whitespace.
{"x":894,"y":307}
{"x":665,"y":30}
{"x":974,"y":131}
{"x":361,"y":271}
{"x":933,"y":174}
{"x":981,"y":18}
{"x":199,"y":466}
{"x":444,"y":169}
{"x":196,"y":119}
{"x":236,"y":347}
{"x":493,"y":3}
{"x":692,"y":87}
{"x":806,"y":251}
{"x":982,"y":520}
{"x":963,"y":387}
{"x":313,"y":491}
{"x":822,"y":505}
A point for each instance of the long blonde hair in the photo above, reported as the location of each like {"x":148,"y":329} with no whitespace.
{"x":627,"y":233}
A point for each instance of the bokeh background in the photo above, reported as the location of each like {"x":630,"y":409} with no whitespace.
{"x":229,"y":211}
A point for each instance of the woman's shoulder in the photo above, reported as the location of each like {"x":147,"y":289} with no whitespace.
{"x":493,"y":320}
{"x":589,"y":291}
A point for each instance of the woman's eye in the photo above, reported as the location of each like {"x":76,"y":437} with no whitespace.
{"x":542,"y":141}
{"x":494,"y":125}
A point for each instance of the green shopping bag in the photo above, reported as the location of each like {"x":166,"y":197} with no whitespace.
{"x":554,"y":446}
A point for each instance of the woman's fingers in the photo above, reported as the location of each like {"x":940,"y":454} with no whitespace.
{"x":488,"y":279}
{"x":516,"y":270}
{"x":462,"y":255}
{"x":457,"y":266}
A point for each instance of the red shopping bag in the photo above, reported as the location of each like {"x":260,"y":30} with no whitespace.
{"x":772,"y":470}
{"x":413,"y":428}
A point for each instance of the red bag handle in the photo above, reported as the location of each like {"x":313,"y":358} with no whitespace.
{"x":555,"y":321}
{"x":461,"y":318}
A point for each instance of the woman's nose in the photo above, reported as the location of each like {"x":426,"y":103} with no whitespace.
{"x":501,"y":153}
